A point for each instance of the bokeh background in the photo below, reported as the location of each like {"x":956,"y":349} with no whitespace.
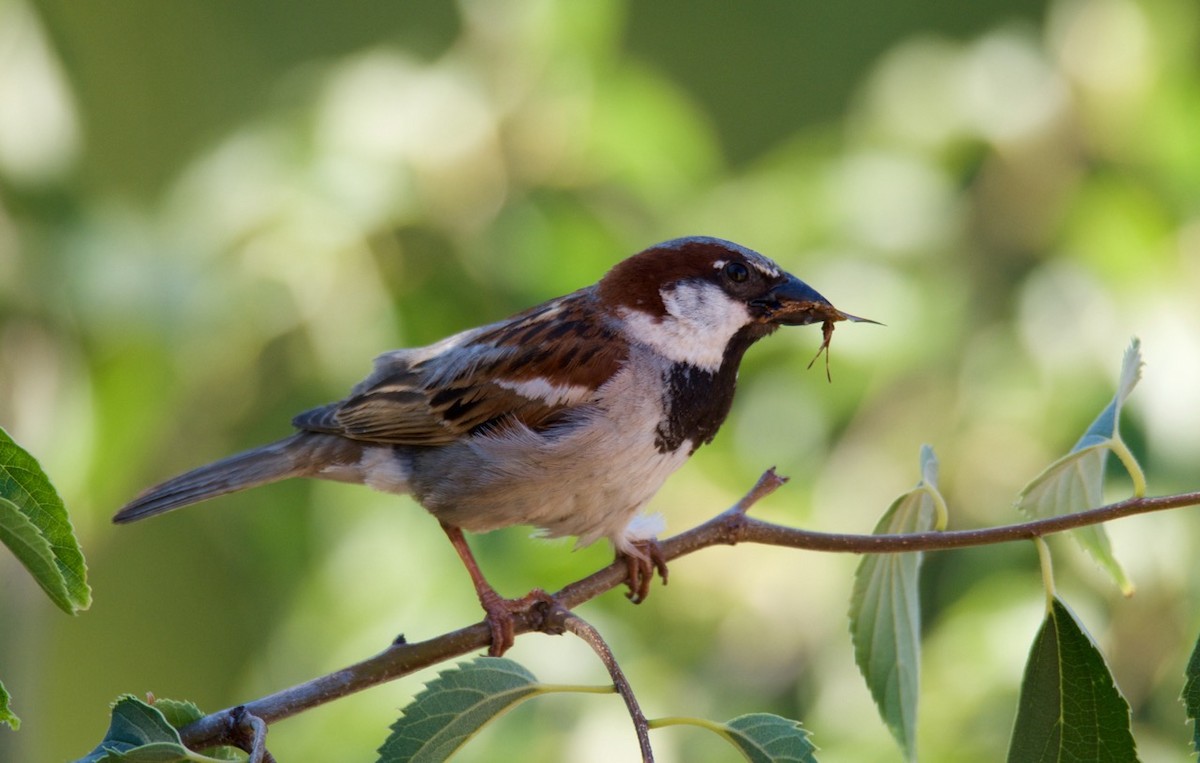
{"x":214,"y":214}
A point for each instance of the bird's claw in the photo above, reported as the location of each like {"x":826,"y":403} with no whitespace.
{"x":641,"y":563}
{"x":501,"y":616}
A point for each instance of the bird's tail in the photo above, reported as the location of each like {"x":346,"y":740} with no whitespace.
{"x":290,"y":457}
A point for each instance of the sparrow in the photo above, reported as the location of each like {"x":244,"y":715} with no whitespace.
{"x":568,"y":416}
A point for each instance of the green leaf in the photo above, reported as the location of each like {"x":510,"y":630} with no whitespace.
{"x":1070,"y":707}
{"x":178,"y":712}
{"x":1075,"y":482}
{"x":25,"y":487}
{"x":31,"y":548}
{"x":6,"y":715}
{"x":139,"y":733}
{"x":766,"y":738}
{"x":1191,"y":694}
{"x":759,"y":737}
{"x":155,"y":752}
{"x":455,"y":706}
{"x":1072,"y":484}
{"x":885,"y":614}
{"x":181,"y":712}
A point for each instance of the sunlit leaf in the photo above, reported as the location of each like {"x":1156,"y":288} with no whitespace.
{"x":138,"y":733}
{"x":1070,"y":707}
{"x":454,"y":707}
{"x":1075,"y":482}
{"x":1191,"y":695}
{"x":31,"y":548}
{"x":25,"y":487}
{"x":1072,"y":484}
{"x":759,"y":737}
{"x":6,"y":714}
{"x":1107,"y":423}
{"x":178,"y":713}
{"x":766,"y":738}
{"x":885,"y":613}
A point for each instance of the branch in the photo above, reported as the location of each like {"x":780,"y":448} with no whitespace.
{"x":252,"y":734}
{"x":584,"y":630}
{"x":728,"y":528}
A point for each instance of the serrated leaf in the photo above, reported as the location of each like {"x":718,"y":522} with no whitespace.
{"x":26,"y":486}
{"x":1107,"y":424}
{"x":178,"y":712}
{"x":155,"y":752}
{"x":1072,"y":484}
{"x":885,"y":614}
{"x":181,"y":712}
{"x":1075,"y":482}
{"x":1191,"y":695}
{"x":454,"y":707}
{"x":138,"y":733}
{"x":31,"y":548}
{"x":759,"y":737}
{"x":1070,"y":708}
{"x":767,"y":738}
{"x":6,"y":714}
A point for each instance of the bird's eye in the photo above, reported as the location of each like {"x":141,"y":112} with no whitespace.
{"x":737,"y":272}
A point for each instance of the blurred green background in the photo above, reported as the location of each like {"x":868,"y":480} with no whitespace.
{"x":214,"y":214}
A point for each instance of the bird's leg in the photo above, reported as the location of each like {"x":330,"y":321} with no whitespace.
{"x":499,"y":610}
{"x":641,"y":562}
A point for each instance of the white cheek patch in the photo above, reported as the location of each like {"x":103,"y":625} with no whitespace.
{"x":551,"y":394}
{"x":700,"y":321}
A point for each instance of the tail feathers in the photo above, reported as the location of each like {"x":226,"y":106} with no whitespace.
{"x":269,"y":463}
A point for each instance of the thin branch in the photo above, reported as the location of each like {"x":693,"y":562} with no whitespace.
{"x":756,"y":531}
{"x":252,"y":733}
{"x":584,"y":630}
{"x":728,"y":528}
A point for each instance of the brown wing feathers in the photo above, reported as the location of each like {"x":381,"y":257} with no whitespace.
{"x":428,"y":403}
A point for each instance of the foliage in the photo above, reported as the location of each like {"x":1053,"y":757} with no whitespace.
{"x":35,"y":527}
{"x":1070,"y":707}
{"x":1075,"y":482}
{"x":885,"y":611}
{"x":1191,"y":694}
{"x":6,"y":715}
{"x":454,"y":707}
{"x":759,"y":737}
{"x":140,"y":733}
{"x":460,"y":701}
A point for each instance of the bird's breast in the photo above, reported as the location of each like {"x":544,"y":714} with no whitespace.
{"x":587,"y":476}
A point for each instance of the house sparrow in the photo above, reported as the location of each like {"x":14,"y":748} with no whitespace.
{"x":568,"y":416}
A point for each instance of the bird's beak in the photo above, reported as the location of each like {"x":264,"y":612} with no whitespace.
{"x":795,"y":303}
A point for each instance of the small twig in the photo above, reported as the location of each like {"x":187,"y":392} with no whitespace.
{"x":584,"y":630}
{"x":730,"y":527}
{"x":768,"y":483}
{"x":250,"y":732}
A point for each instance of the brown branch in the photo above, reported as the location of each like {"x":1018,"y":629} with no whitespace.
{"x":250,"y":732}
{"x":728,"y":528}
{"x":584,"y":630}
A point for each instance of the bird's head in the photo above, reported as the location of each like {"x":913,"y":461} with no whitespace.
{"x":694,"y":299}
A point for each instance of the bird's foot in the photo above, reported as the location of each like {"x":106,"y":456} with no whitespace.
{"x":641,"y":562}
{"x":501,"y":614}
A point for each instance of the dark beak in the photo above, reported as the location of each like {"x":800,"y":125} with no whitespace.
{"x":795,"y":303}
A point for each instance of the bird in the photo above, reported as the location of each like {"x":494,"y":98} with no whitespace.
{"x":568,"y":416}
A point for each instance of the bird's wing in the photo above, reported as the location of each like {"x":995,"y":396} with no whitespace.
{"x":481,"y":380}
